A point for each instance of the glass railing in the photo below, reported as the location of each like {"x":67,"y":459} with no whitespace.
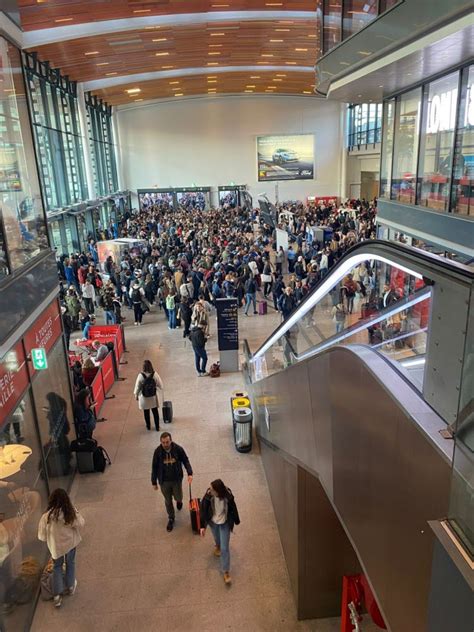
{"x":366,"y":300}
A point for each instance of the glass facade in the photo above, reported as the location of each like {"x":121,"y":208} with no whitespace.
{"x":23,"y":233}
{"x":364,"y":125}
{"x":54,"y":108}
{"x":428,"y":145}
{"x":102,"y":148}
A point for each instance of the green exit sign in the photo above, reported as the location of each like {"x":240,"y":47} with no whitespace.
{"x":39,"y":359}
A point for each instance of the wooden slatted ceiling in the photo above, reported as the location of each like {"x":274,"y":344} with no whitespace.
{"x":301,"y":83}
{"x":176,"y":47}
{"x":40,"y":14}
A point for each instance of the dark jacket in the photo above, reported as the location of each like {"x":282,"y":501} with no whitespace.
{"x":198,"y":338}
{"x":181,"y":459}
{"x":207,"y":510}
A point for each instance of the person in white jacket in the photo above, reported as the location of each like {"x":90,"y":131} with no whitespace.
{"x":60,"y":527}
{"x":145,"y":392}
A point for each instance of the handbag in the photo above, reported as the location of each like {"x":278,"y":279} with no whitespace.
{"x":266,"y":278}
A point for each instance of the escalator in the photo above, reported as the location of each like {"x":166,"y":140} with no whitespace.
{"x":355,"y":390}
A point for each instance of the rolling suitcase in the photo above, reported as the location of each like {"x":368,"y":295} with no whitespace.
{"x":167,"y":412}
{"x":84,"y":449}
{"x":195,"y":512}
{"x":262,"y":308}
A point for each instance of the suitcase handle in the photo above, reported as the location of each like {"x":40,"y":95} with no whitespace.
{"x":190,"y":494}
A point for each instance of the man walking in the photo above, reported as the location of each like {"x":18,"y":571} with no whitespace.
{"x":167,"y":470}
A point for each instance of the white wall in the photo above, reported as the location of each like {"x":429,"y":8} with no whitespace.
{"x":211,"y":142}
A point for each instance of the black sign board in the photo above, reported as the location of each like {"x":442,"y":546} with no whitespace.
{"x":227,"y":324}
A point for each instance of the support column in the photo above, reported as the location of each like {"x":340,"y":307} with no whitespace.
{"x":85,"y":141}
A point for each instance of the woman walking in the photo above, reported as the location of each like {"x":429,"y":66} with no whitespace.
{"x":148,"y":381}
{"x":219,"y":511}
{"x":60,"y":528}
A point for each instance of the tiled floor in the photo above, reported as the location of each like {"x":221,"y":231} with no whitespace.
{"x":132,"y":574}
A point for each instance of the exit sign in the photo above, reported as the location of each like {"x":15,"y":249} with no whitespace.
{"x":39,"y":359}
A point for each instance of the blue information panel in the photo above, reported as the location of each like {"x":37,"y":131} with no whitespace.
{"x":227,"y":324}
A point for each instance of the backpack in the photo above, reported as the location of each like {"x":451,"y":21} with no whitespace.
{"x":148,"y":386}
{"x":136,"y":296}
{"x":170,"y":304}
{"x":101,"y":459}
{"x":215,"y":370}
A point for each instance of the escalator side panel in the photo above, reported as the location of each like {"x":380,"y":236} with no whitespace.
{"x":373,"y":445}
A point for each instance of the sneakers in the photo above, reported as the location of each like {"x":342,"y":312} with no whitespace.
{"x":57,"y":601}
{"x":227,"y":579}
{"x":72,"y":590}
{"x":217,"y":551}
{"x":179,"y":505}
{"x":205,"y":374}
{"x":170,"y":525}
{"x":135,"y":324}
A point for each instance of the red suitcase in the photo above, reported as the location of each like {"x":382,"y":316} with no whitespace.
{"x":195,"y":513}
{"x":262,"y":308}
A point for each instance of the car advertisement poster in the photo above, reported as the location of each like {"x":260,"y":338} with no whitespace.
{"x":288,"y":157}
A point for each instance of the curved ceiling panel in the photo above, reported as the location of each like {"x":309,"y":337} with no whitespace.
{"x":42,"y":14}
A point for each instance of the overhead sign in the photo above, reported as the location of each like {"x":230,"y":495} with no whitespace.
{"x":285,"y":157}
{"x":39,"y":359}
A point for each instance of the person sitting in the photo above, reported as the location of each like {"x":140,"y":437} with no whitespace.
{"x":101,"y":351}
{"x":89,"y":371}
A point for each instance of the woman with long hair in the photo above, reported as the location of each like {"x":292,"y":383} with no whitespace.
{"x":145,"y":392}
{"x":219,"y":511}
{"x":60,"y":528}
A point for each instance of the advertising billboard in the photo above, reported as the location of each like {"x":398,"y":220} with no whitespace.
{"x":286,"y":157}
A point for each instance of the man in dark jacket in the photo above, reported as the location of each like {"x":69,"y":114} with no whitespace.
{"x":287,"y":302}
{"x":167,"y":470}
{"x":198,"y":340}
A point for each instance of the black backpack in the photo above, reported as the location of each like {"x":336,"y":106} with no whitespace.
{"x":148,"y":386}
{"x":136,"y":296}
{"x":101,"y":459}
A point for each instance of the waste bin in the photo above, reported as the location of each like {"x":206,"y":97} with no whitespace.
{"x":242,"y":419}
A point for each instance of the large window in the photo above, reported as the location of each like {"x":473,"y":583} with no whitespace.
{"x":387,"y":148}
{"x":357,"y":14}
{"x":364,"y":124}
{"x":23,"y":232}
{"x":99,"y":120}
{"x":462,"y":196}
{"x":437,"y":143}
{"x":405,"y":153}
{"x":54,"y":108}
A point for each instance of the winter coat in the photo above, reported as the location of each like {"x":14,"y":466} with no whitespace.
{"x":59,"y":536}
{"x":146,"y":403}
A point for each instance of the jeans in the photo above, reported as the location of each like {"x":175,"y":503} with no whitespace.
{"x":339,"y":326}
{"x":200,"y":359}
{"x":109,"y":317}
{"x":58,"y":580}
{"x":137,"y":309}
{"x":89,"y":305}
{"x":156,"y":418}
{"x":250,"y":298}
{"x":170,"y":489}
{"x":221,"y":533}
{"x":172,"y":318}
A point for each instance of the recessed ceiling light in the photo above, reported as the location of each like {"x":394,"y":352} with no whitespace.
{"x":248,"y":90}
{"x":273,"y":4}
{"x":162,"y":54}
{"x":364,"y":52}
{"x":142,"y":10}
{"x":276,"y":40}
{"x":92,"y":52}
{"x":312,"y":35}
{"x":307,"y":92}
{"x":166,"y":67}
{"x":212,"y":76}
{"x":381,"y":86}
{"x":221,"y":6}
{"x":103,"y":63}
{"x":152,"y":27}
{"x":109,"y":74}
{"x":160,"y":39}
{"x":277,"y":80}
{"x":173,"y":82}
{"x":290,"y":63}
{"x":282,"y":30}
{"x":216,"y":45}
{"x":344,"y":63}
{"x":217,"y":34}
{"x":254,"y":76}
{"x":251,"y":86}
{"x":212,"y":81}
{"x":177,"y":88}
{"x":286,"y":22}
{"x":212,"y":63}
{"x":281,"y":75}
{"x":301,"y":50}
{"x":178,"y":94}
{"x":267,"y":55}
{"x":213,"y":52}
{"x":63,"y":20}
{"x":137,"y":100}
{"x":271,"y":87}
{"x":133,"y":90}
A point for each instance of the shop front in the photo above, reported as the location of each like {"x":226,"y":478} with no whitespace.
{"x":231,"y":196}
{"x":148,"y":197}
{"x":36,"y":425}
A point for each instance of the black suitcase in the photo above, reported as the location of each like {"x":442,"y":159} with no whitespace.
{"x":167,"y":412}
{"x":84,"y":449}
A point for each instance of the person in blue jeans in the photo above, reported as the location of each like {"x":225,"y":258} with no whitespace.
{"x":60,"y":527}
{"x":250,"y":295}
{"x":171,"y":309}
{"x":219,"y":512}
{"x":198,"y":340}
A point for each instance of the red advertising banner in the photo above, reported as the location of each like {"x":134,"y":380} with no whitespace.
{"x":44,"y":332}
{"x":98,"y":394}
{"x":107,"y":369}
{"x":13,"y":380}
